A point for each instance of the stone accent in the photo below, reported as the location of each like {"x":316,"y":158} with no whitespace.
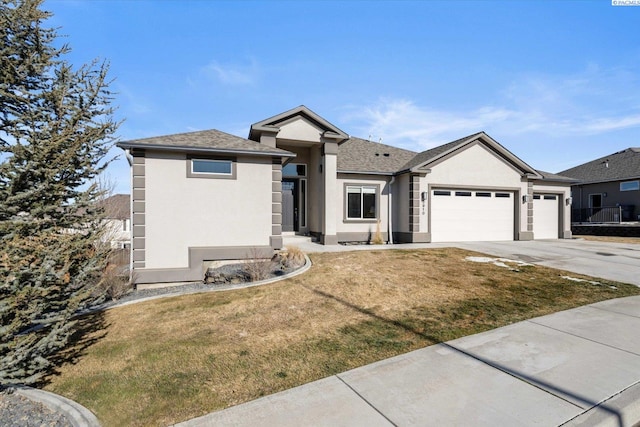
{"x":138,"y":209}
{"x":414,"y":203}
{"x":530,"y":206}
{"x":275,"y":240}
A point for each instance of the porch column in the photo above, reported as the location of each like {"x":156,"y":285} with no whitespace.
{"x":330,"y":180}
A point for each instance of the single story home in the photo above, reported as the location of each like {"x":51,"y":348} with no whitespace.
{"x":612,"y":181}
{"x":209,"y":195}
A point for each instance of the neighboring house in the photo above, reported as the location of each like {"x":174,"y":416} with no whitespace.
{"x":208,"y":195}
{"x":607,"y":182}
{"x":118,"y":220}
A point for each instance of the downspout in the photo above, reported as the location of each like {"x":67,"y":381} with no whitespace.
{"x":390,"y":213}
{"x":129,"y":157}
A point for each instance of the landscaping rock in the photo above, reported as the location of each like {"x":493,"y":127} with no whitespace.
{"x":17,"y":410}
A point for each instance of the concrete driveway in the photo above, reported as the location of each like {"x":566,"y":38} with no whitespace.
{"x":613,"y":261}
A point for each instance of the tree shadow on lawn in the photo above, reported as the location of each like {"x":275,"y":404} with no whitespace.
{"x":88,"y":330}
{"x":589,"y":404}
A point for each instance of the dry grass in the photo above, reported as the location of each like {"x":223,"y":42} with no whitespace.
{"x":612,"y":239}
{"x":169,"y":360}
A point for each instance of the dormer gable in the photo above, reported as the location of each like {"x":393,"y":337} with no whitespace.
{"x":299,"y":125}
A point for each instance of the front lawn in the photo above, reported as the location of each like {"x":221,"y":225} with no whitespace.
{"x":169,"y":360}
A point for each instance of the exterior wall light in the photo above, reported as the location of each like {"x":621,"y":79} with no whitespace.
{"x":526,"y":198}
{"x":569,"y":201}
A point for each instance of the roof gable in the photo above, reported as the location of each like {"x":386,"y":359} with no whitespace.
{"x":618,"y":166}
{"x":213,"y":141}
{"x":423,"y":160}
{"x":273,"y":124}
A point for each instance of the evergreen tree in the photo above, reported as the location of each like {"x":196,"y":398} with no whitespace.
{"x":56,"y":127}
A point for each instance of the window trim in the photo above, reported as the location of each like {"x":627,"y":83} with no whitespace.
{"x":635,"y":182}
{"x":346,"y":218}
{"x":211,"y":175}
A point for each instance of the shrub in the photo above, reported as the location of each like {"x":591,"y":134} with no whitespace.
{"x":377,"y":238}
{"x":257,"y":267}
{"x":115,"y":282}
{"x":293,"y":257}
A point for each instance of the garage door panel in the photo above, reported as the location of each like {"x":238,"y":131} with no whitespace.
{"x":472,"y":218}
{"x":545,"y":216}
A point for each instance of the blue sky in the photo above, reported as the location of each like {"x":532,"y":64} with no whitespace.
{"x":555,"y":82}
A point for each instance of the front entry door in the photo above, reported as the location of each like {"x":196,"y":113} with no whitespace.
{"x":290,"y":205}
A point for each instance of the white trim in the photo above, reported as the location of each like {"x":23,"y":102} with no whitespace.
{"x":363,"y":189}
{"x":635,"y":187}
{"x":225,"y":161}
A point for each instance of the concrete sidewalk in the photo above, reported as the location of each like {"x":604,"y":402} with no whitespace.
{"x":577,"y":367}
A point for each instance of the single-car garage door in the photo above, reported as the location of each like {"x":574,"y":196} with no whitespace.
{"x":460,"y":215}
{"x":545,"y":216}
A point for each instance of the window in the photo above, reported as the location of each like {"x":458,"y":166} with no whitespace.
{"x":441,"y":193}
{"x":361,"y":202}
{"x":504,"y":195}
{"x":550,"y":197}
{"x":630,"y":185}
{"x":211,"y":168}
{"x":536,"y":197}
{"x":463,"y":193}
{"x":294,"y":169}
{"x":482,"y":194}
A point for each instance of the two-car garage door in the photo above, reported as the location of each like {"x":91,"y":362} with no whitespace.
{"x":461,"y":215}
{"x":478,"y":215}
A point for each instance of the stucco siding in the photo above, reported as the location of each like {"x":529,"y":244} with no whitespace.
{"x":299,"y":129}
{"x":479,"y":168}
{"x":401,"y":203}
{"x":564,"y":192}
{"x":186,"y":212}
{"x":345,"y":225}
{"x":314,"y":198}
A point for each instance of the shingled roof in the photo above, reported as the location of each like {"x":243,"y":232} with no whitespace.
{"x":360,"y":155}
{"x":548,"y":176}
{"x":434,"y":152}
{"x":212,"y":140}
{"x":116,"y":206}
{"x":618,"y":166}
